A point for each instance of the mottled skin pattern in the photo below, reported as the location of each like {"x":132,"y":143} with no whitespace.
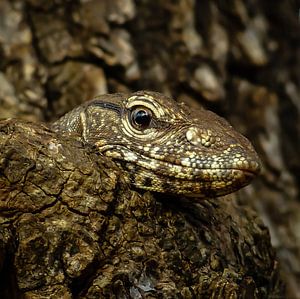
{"x":175,"y":150}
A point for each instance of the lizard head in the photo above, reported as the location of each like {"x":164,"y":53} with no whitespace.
{"x":165,"y":147}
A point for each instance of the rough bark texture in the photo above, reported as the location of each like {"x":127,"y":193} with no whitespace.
{"x":70,"y":227}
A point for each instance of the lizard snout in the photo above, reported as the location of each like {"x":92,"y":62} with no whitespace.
{"x":197,"y":136}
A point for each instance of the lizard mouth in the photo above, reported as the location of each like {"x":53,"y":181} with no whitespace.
{"x":153,"y":173}
{"x":208,"y":184}
{"x":180,"y":168}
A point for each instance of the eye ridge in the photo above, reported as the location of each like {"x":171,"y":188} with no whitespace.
{"x":141,"y":117}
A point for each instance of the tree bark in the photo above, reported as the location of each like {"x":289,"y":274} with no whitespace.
{"x":70,"y":225}
{"x":73,"y":229}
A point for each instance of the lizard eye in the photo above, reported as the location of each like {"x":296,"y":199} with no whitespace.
{"x":141,"y":118}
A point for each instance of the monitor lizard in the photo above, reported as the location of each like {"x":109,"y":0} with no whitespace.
{"x":164,"y":146}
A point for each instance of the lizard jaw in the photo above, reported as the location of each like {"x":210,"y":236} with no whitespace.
{"x":161,"y":176}
{"x":154,"y":181}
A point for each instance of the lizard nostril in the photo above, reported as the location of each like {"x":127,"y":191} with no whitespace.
{"x":197,"y":137}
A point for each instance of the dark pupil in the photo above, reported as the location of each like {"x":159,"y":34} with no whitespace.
{"x":141,"y":118}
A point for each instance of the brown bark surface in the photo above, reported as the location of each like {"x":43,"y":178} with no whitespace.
{"x":70,"y":226}
{"x":73,"y":229}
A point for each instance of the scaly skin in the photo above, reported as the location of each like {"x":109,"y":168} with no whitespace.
{"x":162,"y":146}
